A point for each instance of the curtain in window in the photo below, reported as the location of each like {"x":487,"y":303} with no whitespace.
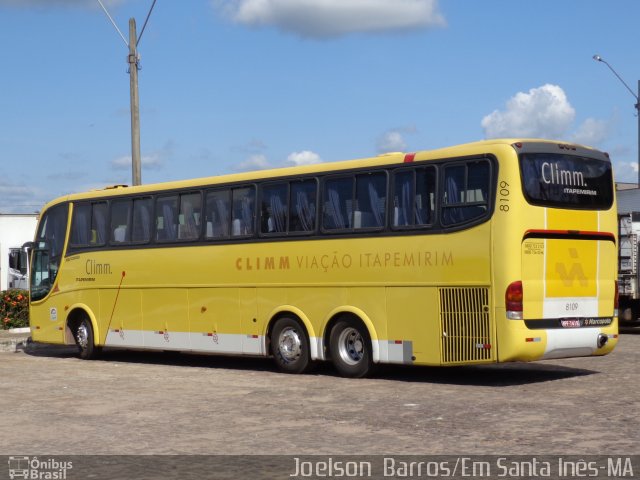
{"x":247,"y":216}
{"x":169,"y":222}
{"x":452,"y":214}
{"x":100,"y":223}
{"x":334,"y":210}
{"x":377,"y":206}
{"x":279,"y":214}
{"x":141,"y":222}
{"x":306,"y":211}
{"x":222,"y":228}
{"x":81,"y":220}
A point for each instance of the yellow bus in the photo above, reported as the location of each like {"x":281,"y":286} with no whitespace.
{"x":494,"y":251}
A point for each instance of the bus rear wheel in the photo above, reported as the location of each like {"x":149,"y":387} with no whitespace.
{"x":87,"y":349}
{"x":290,"y":346}
{"x":350,"y":347}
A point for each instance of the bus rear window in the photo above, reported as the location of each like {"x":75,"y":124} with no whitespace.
{"x":566,"y":181}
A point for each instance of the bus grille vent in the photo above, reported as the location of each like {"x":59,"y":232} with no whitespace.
{"x":465,"y":325}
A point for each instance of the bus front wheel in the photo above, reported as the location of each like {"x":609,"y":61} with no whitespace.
{"x":350,"y":347}
{"x":87,"y":349}
{"x":290,"y":346}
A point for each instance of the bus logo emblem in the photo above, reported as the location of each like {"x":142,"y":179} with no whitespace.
{"x":576,"y":271}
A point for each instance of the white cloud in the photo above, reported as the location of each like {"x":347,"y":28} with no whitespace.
{"x":391,"y":141}
{"x":542,"y":112}
{"x":254,"y":162}
{"x":591,"y":132}
{"x":334,"y":18}
{"x":149,"y":162}
{"x":15,"y":198}
{"x":259,"y":161}
{"x":153,"y":161}
{"x":624,"y":171}
{"x":304,"y":157}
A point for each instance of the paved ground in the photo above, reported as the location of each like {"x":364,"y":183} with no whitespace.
{"x":158,"y":403}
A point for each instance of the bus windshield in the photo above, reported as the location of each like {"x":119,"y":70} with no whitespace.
{"x":48,"y":251}
{"x":567,"y":181}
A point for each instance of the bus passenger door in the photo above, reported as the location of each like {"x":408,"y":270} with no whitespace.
{"x":252,"y":340}
{"x":165,"y":313}
{"x":214,"y":320}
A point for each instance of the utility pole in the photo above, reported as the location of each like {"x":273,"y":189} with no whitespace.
{"x":598,"y":58}
{"x":132,"y":59}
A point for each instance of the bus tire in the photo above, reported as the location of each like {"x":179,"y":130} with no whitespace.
{"x":290,"y":346}
{"x":350,"y":348}
{"x":87,"y":349}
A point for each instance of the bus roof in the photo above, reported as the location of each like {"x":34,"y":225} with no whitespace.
{"x":472,"y":148}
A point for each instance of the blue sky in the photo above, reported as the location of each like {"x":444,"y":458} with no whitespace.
{"x":232,"y":85}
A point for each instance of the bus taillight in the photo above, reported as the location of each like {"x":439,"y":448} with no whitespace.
{"x":513,"y":300}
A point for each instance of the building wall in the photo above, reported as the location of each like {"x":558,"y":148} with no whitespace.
{"x":628,"y":200}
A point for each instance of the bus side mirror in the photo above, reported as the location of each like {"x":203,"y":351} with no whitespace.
{"x":28,"y":247}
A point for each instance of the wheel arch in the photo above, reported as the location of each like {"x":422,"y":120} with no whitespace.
{"x":76,"y":313}
{"x":360,"y":316}
{"x":299,"y":315}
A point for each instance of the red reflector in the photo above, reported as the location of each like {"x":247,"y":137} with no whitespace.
{"x":409,"y":157}
{"x":398,"y":342}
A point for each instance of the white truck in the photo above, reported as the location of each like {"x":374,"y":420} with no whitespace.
{"x":15,"y":230}
{"x":629,"y":256}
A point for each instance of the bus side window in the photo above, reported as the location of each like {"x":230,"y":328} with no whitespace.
{"x":478,"y":183}
{"x":338,"y":204}
{"x":189,"y":218}
{"x":466,"y":192}
{"x":274,"y":208}
{"x":302,"y":207}
{"x":141,"y":227}
{"x":424,"y":202}
{"x":243,"y":211}
{"x":80,"y":224}
{"x":217,"y":214}
{"x":371,"y":199}
{"x":98,"y":223}
{"x":414,"y":192}
{"x":167,"y":218}
{"x":120,"y":213}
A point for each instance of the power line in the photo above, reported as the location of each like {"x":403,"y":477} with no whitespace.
{"x":114,"y":23}
{"x":145,"y":22}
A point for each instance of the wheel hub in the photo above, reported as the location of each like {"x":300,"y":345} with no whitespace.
{"x":289,"y":344}
{"x":351,"y":346}
{"x":82,"y":337}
